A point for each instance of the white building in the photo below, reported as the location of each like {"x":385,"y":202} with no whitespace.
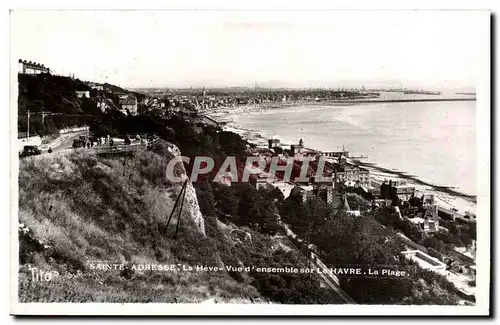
{"x":83,"y":93}
{"x":428,"y":225}
{"x":129,"y":103}
{"x":28,"y":67}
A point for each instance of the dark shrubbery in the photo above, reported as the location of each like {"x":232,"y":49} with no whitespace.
{"x":349,"y":241}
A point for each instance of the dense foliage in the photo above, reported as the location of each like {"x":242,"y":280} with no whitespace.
{"x":348,"y":241}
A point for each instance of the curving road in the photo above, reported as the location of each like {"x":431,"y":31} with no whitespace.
{"x":64,"y":142}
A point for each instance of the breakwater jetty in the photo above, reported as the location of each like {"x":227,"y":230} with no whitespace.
{"x":397,"y":100}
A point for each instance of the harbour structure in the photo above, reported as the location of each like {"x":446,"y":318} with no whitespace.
{"x":334,"y":154}
{"x":420,"y":92}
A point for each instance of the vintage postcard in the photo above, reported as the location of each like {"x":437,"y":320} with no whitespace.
{"x":180,"y":162}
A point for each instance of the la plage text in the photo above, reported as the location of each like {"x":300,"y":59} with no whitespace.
{"x":343,"y":271}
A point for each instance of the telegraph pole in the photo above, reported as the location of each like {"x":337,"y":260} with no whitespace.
{"x":28,"y":126}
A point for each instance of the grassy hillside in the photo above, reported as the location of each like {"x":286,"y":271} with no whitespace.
{"x":78,"y":210}
{"x":90,"y":209}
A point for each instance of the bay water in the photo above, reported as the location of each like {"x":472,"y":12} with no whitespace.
{"x":435,"y":141}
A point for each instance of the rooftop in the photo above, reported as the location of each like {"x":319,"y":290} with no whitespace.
{"x":129,"y":100}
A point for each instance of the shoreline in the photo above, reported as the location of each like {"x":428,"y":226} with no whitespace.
{"x":403,"y":175}
{"x":403,"y":100}
{"x":255,"y":137}
{"x":332,"y":102}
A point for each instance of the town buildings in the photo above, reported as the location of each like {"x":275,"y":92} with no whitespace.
{"x":96,"y":86}
{"x":334,"y":154}
{"x":427,"y":225}
{"x":404,"y":191}
{"x":396,"y":189}
{"x":83,"y":93}
{"x":273,"y":143}
{"x":306,"y":192}
{"x":469,"y":250}
{"x":128,"y":103}
{"x":337,"y":172}
{"x":297,"y":150}
{"x":348,"y":172}
{"x":430,"y":206}
{"x":28,"y":67}
{"x":102,"y":104}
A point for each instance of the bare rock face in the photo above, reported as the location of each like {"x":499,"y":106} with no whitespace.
{"x":192,"y":206}
{"x":190,"y":201}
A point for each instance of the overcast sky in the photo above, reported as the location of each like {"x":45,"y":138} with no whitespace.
{"x":293,"y":48}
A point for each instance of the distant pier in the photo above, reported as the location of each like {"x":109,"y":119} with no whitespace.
{"x":402,"y":100}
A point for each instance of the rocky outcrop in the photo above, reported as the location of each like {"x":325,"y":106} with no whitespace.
{"x":192,"y":206}
{"x":191,"y":200}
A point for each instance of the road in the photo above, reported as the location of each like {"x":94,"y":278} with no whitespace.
{"x":64,"y":142}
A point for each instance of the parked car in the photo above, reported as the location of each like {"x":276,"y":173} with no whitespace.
{"x":78,"y":143}
{"x":30,"y":151}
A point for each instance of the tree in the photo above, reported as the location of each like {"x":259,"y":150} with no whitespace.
{"x":226,"y":201}
{"x":272,"y":194}
{"x":89,"y":107}
{"x":231,"y":143}
{"x":167,"y":133}
{"x":249,"y":208}
{"x":295,"y":214}
{"x":431,"y":241}
{"x":411,"y":230}
{"x":206,"y":199}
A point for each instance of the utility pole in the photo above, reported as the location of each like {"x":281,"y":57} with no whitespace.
{"x":43,"y":116}
{"x":181,"y":194}
{"x":180,"y":212}
{"x":28,"y":126}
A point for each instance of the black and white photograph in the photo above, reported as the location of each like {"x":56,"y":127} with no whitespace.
{"x":210,"y":162}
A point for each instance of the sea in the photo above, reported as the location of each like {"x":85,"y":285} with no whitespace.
{"x":434,"y":141}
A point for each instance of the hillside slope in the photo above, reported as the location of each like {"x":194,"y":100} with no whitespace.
{"x":78,"y":212}
{"x":84,"y":209}
{"x":57,"y":94}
